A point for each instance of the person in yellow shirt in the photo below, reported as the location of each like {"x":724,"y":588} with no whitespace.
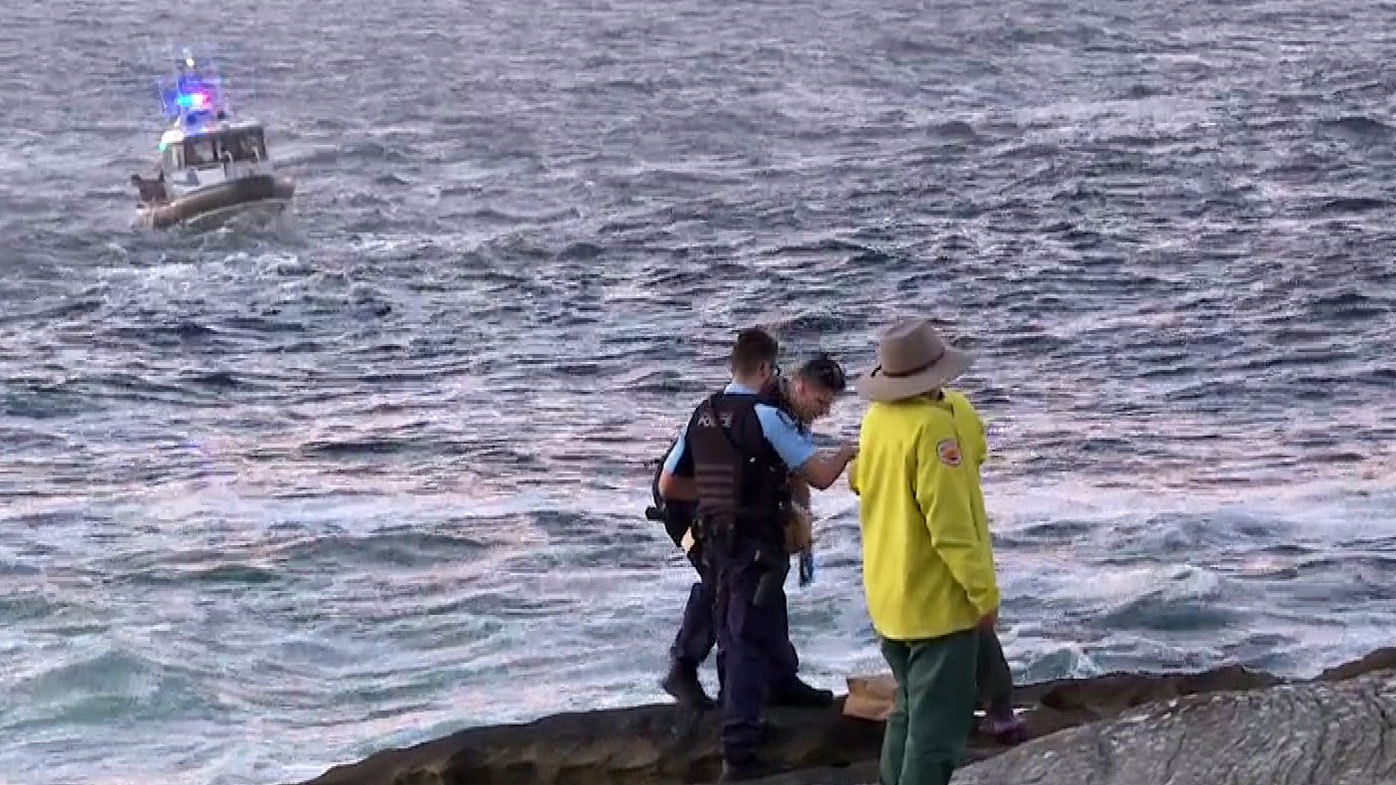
{"x":928,"y":568}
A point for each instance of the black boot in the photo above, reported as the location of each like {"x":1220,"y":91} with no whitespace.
{"x":682,"y":683}
{"x":798,"y":693}
{"x":750,"y":769}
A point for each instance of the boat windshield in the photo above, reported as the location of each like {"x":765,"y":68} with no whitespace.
{"x":245,"y":144}
{"x":199,"y":152}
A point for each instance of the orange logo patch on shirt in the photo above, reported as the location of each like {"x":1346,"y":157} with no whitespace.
{"x":949,"y":452}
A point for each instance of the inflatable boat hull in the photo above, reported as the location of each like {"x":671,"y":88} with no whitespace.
{"x":260,"y":193}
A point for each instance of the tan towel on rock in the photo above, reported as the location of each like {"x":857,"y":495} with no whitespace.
{"x":870,"y":697}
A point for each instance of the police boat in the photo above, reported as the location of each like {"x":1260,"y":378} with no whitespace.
{"x":211,"y":166}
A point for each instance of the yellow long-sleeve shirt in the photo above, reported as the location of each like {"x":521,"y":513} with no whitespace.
{"x":928,"y":566}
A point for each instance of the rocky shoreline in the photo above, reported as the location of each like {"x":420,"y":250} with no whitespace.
{"x":662,"y":744}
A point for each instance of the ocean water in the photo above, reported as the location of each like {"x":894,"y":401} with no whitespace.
{"x":274,"y":498}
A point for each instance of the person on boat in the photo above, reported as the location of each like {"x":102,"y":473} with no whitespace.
{"x":928,"y":565}
{"x":743,"y":452}
{"x":151,"y":191}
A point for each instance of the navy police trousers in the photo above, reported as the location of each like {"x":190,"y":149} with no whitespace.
{"x":698,"y":631}
{"x":752,"y":643}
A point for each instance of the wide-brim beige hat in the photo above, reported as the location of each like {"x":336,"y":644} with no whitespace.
{"x":912,"y":359}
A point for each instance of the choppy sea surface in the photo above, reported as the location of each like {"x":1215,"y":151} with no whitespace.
{"x":273,"y":498}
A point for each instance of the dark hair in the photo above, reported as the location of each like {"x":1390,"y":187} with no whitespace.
{"x":824,"y":371}
{"x":753,"y":347}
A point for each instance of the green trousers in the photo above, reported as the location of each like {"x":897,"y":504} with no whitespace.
{"x":934,"y":712}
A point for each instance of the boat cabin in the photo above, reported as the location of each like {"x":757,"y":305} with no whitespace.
{"x":210,"y":153}
{"x":212,"y":149}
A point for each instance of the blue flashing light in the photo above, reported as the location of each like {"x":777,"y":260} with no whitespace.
{"x":194,"y":92}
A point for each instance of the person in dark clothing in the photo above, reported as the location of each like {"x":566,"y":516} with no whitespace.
{"x":744,"y":453}
{"x":151,"y":191}
{"x":996,"y":692}
{"x":804,"y":397}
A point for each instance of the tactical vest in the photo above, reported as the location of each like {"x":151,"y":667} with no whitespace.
{"x":741,"y":480}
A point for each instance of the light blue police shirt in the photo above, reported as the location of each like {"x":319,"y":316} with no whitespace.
{"x":790,"y":443}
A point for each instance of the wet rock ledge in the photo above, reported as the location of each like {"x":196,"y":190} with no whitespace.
{"x":664,"y":745}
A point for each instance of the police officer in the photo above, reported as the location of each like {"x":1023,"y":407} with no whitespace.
{"x":803,"y":397}
{"x":744,"y":452}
